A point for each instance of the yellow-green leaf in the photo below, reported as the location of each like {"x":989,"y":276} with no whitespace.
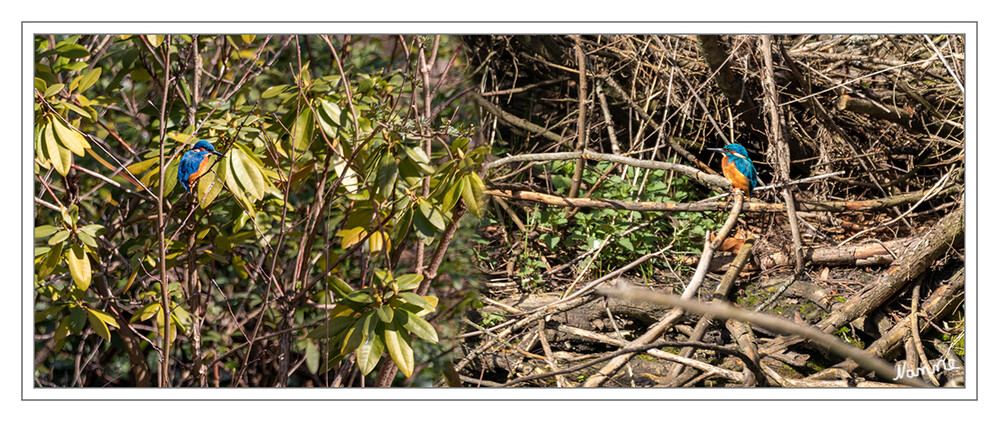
{"x":79,"y":267}
{"x":70,"y":138}
{"x":155,"y":40}
{"x":247,"y":38}
{"x":416,"y":325}
{"x":51,"y":261}
{"x":399,"y":348}
{"x":60,"y":158}
{"x":304,"y":126}
{"x":247,"y":173}
{"x":370,"y":352}
{"x":350,"y":236}
{"x":98,"y":325}
{"x":88,"y":79}
{"x":52,"y":90}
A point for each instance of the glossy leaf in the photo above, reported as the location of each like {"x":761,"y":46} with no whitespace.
{"x":59,"y":237}
{"x":416,"y":325}
{"x":409,"y":281}
{"x":303,"y":130}
{"x":60,"y":158}
{"x":146,"y":312}
{"x":247,"y":173}
{"x":385,"y":313}
{"x":370,"y":352}
{"x":79,"y":267}
{"x":99,"y":326}
{"x":397,"y":344}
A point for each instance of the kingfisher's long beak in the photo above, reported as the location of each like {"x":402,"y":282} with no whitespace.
{"x":716,"y":149}
{"x":217,"y":153}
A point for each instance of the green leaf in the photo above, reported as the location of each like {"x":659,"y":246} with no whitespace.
{"x":79,"y":267}
{"x":388,"y":170}
{"x":155,"y":40}
{"x":311,"y":356}
{"x":357,"y":334}
{"x":434,"y":216}
{"x":410,"y":297}
{"x":385,"y":313}
{"x":86,"y":239}
{"x":94,"y":230}
{"x":99,"y":326}
{"x":399,"y":348}
{"x":88,"y":79}
{"x":370,"y":352}
{"x":340,"y":288}
{"x":60,"y":158}
{"x":340,"y":318}
{"x":409,"y":281}
{"x":53,"y":90}
{"x":72,"y":51}
{"x":416,"y":325}
{"x":471,"y":192}
{"x":104,"y":316}
{"x":146,"y":312}
{"x":273,"y":91}
{"x":70,"y":138}
{"x":247,"y":173}
{"x":303,"y":130}
{"x":51,"y":261}
{"x":360,"y":296}
{"x":59,"y":237}
{"x":451,"y":196}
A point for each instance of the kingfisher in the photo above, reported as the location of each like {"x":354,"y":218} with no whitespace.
{"x":195,"y":164}
{"x":738,"y":168}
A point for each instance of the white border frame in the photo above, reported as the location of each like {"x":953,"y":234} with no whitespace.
{"x":969,"y":29}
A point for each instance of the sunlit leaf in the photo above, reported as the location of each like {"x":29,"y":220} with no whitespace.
{"x":409,"y":281}
{"x":79,"y":267}
{"x":397,"y":344}
{"x":60,"y":158}
{"x":416,"y":325}
{"x":304,"y":127}
{"x":370,"y":352}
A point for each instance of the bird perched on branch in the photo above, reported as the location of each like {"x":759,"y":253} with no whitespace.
{"x":195,"y":164}
{"x":738,"y":168}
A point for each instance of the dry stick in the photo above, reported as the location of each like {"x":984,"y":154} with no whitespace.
{"x":916,"y":259}
{"x":573,"y":301}
{"x":826,"y":206}
{"x":515,"y":121}
{"x":827,"y":121}
{"x":577,"y":174}
{"x":940,"y":303}
{"x":720,"y":295}
{"x":723,"y":311}
{"x":164,"y":379}
{"x":914,"y":332}
{"x":630,"y":350}
{"x":641,"y":112}
{"x":780,"y":155}
{"x":669,"y":319}
{"x":573,"y":298}
{"x":709,"y":369}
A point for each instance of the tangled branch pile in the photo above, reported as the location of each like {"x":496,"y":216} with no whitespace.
{"x":874,"y":240}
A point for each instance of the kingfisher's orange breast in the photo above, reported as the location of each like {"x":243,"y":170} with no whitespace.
{"x":734,"y":176}
{"x":202,"y":169}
